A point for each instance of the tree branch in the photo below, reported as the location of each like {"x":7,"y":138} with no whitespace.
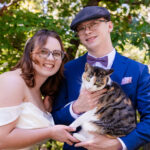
{"x":135,"y":2}
{"x":7,"y":5}
{"x":93,"y":3}
{"x":70,"y":50}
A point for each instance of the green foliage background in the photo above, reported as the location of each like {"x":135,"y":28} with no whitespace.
{"x":19,"y":21}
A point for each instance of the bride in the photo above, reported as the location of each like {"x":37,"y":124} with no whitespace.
{"x":24,"y":116}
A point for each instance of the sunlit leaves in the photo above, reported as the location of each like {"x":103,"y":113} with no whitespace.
{"x":20,"y":21}
{"x":17,"y":26}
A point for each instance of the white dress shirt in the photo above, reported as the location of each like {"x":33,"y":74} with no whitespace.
{"x":111,"y":57}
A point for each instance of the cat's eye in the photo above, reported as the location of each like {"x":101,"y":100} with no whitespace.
{"x":88,"y":79}
{"x":96,"y":83}
{"x":90,"y":75}
{"x":98,"y":80}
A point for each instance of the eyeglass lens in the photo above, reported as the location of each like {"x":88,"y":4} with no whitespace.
{"x":90,"y":26}
{"x":57,"y":54}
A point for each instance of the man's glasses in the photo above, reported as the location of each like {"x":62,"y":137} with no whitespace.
{"x":91,"y":26}
{"x":45,"y":53}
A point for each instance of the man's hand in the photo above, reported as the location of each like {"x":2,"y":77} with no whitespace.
{"x":101,"y":142}
{"x":87,"y":100}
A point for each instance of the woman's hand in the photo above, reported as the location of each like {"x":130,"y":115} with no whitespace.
{"x":61,"y":133}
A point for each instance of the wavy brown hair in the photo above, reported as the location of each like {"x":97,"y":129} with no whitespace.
{"x":51,"y":85}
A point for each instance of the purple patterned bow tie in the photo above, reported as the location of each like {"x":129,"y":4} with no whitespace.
{"x":91,"y":60}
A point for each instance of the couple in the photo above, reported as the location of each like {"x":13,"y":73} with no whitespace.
{"x":24,"y":119}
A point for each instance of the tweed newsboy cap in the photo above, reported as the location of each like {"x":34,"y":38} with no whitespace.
{"x":89,"y":13}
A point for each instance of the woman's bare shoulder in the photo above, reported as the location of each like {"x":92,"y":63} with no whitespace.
{"x":11,"y":76}
{"x":12,"y":88}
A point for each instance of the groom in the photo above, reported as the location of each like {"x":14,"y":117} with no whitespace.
{"x":93,"y":26}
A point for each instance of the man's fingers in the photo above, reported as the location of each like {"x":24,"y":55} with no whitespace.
{"x":100,"y":92}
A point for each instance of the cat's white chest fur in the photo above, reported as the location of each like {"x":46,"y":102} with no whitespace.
{"x":85,"y":122}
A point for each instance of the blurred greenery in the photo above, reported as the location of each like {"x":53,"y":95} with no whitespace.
{"x":21,"y":19}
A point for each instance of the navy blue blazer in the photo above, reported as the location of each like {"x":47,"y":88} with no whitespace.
{"x":138,"y":91}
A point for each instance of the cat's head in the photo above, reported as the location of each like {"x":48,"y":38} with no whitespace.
{"x":95,"y":78}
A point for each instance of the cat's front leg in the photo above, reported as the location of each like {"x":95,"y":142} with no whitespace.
{"x":84,"y":118}
{"x":84,"y":125}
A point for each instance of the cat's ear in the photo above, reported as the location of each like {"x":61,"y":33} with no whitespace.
{"x":87,"y":66}
{"x":110,"y":71}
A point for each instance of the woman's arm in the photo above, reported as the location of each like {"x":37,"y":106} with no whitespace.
{"x":11,"y":137}
{"x":12,"y":93}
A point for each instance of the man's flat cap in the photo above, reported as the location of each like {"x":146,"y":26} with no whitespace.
{"x":89,"y":13}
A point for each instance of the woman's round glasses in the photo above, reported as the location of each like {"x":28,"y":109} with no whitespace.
{"x":45,"y":53}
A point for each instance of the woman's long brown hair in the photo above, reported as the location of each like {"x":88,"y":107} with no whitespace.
{"x":51,"y":85}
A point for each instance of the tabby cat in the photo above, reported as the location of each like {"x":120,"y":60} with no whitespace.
{"x":114,"y":115}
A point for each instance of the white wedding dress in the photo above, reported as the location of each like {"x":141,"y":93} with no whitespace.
{"x":30,"y":117}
